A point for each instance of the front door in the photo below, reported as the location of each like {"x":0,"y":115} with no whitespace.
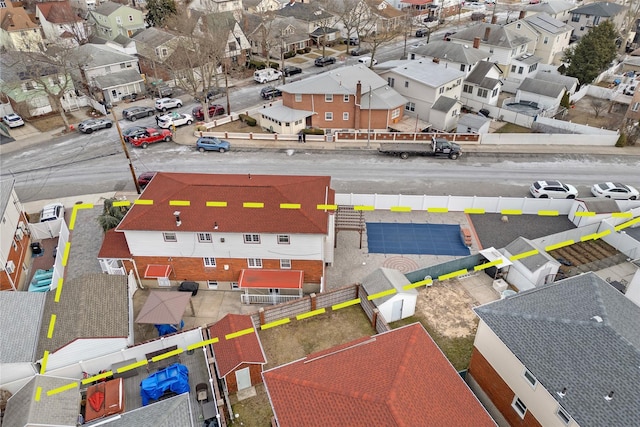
{"x":243,"y":378}
{"x":396,"y":310}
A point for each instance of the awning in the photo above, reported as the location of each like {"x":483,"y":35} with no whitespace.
{"x":492,"y":254}
{"x":164,"y":308}
{"x":410,"y":124}
{"x":154,"y":271}
{"x":271,"y":279}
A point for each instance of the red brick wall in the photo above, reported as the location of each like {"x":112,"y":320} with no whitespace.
{"x":193,"y":269}
{"x":498,"y":391}
{"x":255,"y":371}
{"x":19,"y":257}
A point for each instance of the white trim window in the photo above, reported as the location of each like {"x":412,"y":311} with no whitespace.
{"x":297,"y":97}
{"x":235,"y":285}
{"x":212,"y":284}
{"x":209,"y":261}
{"x":328,"y":116}
{"x":395,"y":113}
{"x":519,"y":406}
{"x":345,"y":98}
{"x":170,"y":237}
{"x":564,"y":416}
{"x":345,"y":116}
{"x":251,"y":238}
{"x":254,"y":262}
{"x":530,"y":378}
{"x":204,"y":237}
{"x":285,"y":264}
{"x":284,"y":239}
{"x":328,"y":97}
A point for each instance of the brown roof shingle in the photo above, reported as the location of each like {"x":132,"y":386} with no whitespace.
{"x":233,"y":352}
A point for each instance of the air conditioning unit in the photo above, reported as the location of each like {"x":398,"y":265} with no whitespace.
{"x":22,"y":226}
{"x":10,"y":267}
{"x":19,"y":234}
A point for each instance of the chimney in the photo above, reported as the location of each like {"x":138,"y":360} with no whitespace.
{"x":487,"y":31}
{"x":494,"y":19}
{"x":358,"y":106}
{"x":476,"y":43}
{"x":436,"y":60}
{"x":521,"y":15}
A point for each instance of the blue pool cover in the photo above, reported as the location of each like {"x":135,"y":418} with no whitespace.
{"x":415,"y":239}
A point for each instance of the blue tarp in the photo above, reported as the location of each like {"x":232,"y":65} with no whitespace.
{"x":174,"y":378}
{"x":169,"y":329}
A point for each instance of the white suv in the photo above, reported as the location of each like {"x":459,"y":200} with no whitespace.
{"x":163,"y":104}
{"x":52,"y":212}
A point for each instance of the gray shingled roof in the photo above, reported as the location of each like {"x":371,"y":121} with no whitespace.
{"x":95,"y":56}
{"x":285,"y":114}
{"x":552,"y":7}
{"x":473,"y":120}
{"x":153,"y":37}
{"x":172,"y":412}
{"x":498,"y":36}
{"x":603,"y":9}
{"x":423,"y":71}
{"x":540,"y":87}
{"x":547,"y":23}
{"x":553,"y":331}
{"x":59,"y":409}
{"x":532,"y":263}
{"x":117,"y":79}
{"x":304,"y":11}
{"x":107,"y":8}
{"x":566,"y":81}
{"x":479,"y":75}
{"x":453,"y":52}
{"x":384,"y":279}
{"x":600,"y":205}
{"x":444,"y":104}
{"x":340,"y":81}
{"x":91,"y":306}
{"x":20,"y":317}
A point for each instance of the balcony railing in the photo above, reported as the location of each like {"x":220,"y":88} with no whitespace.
{"x":266,"y":299}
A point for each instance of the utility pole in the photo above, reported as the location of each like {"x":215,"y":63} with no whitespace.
{"x":226,"y":86}
{"x":369,"y":126}
{"x":126,"y":152}
{"x":282,"y":58}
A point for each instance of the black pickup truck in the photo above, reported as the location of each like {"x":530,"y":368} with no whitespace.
{"x":437,"y":147}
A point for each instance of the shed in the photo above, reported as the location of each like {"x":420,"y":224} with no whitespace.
{"x":602,"y":208}
{"x":530,"y":271}
{"x":239,"y":360}
{"x":398,"y":305}
{"x":473,"y":123}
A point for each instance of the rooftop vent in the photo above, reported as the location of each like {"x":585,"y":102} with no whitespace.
{"x":597,"y":319}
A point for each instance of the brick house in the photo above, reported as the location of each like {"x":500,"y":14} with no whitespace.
{"x":347,"y":98}
{"x":396,"y":378}
{"x":239,"y":361}
{"x":208,"y":228}
{"x":565,"y":354}
{"x":15,"y":251}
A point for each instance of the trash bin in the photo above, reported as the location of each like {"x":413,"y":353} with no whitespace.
{"x":189,"y":287}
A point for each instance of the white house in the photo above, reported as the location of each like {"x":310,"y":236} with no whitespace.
{"x":531,"y":271}
{"x":401,"y":304}
{"x":15,"y":257}
{"x":545,"y":94}
{"x":601,"y":208}
{"x":569,"y":83}
{"x":591,"y":15}
{"x":60,"y":23}
{"x":522,"y":67}
{"x":459,"y":56}
{"x":557,"y":9}
{"x":482,"y":86}
{"x":549,"y":36}
{"x":444,"y":113}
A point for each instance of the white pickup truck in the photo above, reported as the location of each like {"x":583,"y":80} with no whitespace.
{"x":267,"y":75}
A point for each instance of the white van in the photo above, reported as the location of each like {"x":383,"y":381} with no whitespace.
{"x":267,"y":75}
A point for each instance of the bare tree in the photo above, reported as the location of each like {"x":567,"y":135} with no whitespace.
{"x":598,"y":106}
{"x":380,"y":36}
{"x":629,"y":23}
{"x":350,"y":13}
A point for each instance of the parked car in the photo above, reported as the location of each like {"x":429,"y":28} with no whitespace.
{"x":366,"y":60}
{"x":484,"y":113}
{"x":553,"y":190}
{"x":324,"y":60}
{"x":135,"y":113}
{"x":353,"y":41}
{"x":359,"y":51}
{"x":266,"y":75}
{"x":174,"y":119}
{"x":615,"y":190}
{"x":151,"y":136}
{"x":144,"y":178}
{"x":290,"y":70}
{"x":214,"y":110}
{"x":13,"y":120}
{"x":270,"y":92}
{"x":132,"y":132}
{"x":163,"y":104}
{"x":90,"y":125}
{"x":422,"y":32}
{"x":52,"y":212}
{"x":211,"y":143}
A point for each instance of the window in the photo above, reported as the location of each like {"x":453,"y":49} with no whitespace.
{"x":345,"y":116}
{"x":29,"y":86}
{"x":467,"y":89}
{"x":545,"y":40}
{"x":520,"y":70}
{"x":209,"y":261}
{"x":169,"y":237}
{"x":533,"y":68}
{"x":212,"y":284}
{"x":518,"y":25}
{"x":395,"y":113}
{"x":298,"y":97}
{"x":482,"y":93}
{"x":410,"y":106}
{"x":530,"y":378}
{"x":232,"y":46}
{"x":519,"y":407}
{"x":234,"y":285}
{"x":513,"y":68}
{"x":406,"y":84}
{"x":454,"y":113}
{"x":251,"y":238}
{"x":522,"y":48}
{"x":284,"y":239}
{"x":254,"y":262}
{"x":391,"y":81}
{"x":441,"y":90}
{"x":328,"y":97}
{"x":285,"y":264}
{"x":564,"y":417}
{"x":345,"y":98}
{"x":495,"y":92}
{"x":328,"y":116}
{"x":463,"y":67}
{"x":204,"y":237}
{"x":636,"y":106}
{"x":575,"y":18}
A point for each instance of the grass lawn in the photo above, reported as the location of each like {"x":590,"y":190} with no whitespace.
{"x":511,"y":128}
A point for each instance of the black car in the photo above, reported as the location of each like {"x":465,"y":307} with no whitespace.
{"x":270,"y":92}
{"x":360,"y":51}
{"x":132,"y":132}
{"x":422,"y":32}
{"x":325,"y":60}
{"x":290,"y":70}
{"x":135,"y":113}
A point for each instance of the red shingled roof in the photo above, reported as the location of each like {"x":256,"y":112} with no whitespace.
{"x":268,"y":279}
{"x":233,"y":352}
{"x":114,"y":245}
{"x":198,"y":189}
{"x":398,"y":378}
{"x":58,"y":12}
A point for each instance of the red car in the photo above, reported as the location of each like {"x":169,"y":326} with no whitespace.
{"x":150,"y":136}
{"x":214,"y":110}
